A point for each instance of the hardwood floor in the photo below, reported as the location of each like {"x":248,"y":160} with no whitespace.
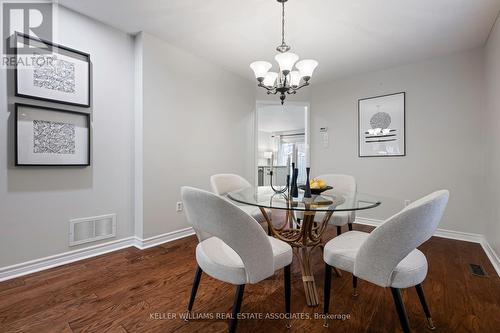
{"x":135,"y":291}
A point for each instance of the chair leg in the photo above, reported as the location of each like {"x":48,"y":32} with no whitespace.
{"x":349,"y":225}
{"x":238,"y":298}
{"x":423,"y":301}
{"x":288,"y":292}
{"x":326,"y":293}
{"x":194,"y":290}
{"x":354,"y":286}
{"x":339,"y":230}
{"x":400,"y":308}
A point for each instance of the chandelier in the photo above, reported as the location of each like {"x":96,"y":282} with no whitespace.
{"x":287,"y":80}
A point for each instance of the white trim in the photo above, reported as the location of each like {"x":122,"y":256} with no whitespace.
{"x":307,"y":129}
{"x":492,"y":255}
{"x":443,"y":233}
{"x":459,"y":235}
{"x":451,"y":234}
{"x":138,"y":162}
{"x":367,"y":221}
{"x":32,"y":266}
{"x":164,"y":238}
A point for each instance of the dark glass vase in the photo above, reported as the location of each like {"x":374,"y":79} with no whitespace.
{"x":294,"y":190}
{"x":290,"y":176}
{"x":307,"y":190}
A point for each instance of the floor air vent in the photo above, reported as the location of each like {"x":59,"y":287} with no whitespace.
{"x":91,"y":229}
{"x":477,"y":270}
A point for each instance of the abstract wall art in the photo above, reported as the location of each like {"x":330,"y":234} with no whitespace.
{"x":48,"y":136}
{"x":51,"y":72}
{"x":381,"y":126}
{"x":55,"y":74}
{"x":52,"y":137}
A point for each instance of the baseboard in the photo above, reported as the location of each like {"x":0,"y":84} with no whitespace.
{"x":492,"y":255}
{"x":451,"y":234}
{"x":444,"y":233}
{"x":32,"y":266}
{"x":164,"y":238}
{"x":367,"y":221}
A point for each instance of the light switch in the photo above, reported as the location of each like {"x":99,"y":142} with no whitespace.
{"x":324,"y":136}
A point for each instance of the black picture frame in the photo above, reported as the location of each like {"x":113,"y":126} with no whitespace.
{"x":52,"y":46}
{"x":404,"y":124}
{"x":16,"y":143}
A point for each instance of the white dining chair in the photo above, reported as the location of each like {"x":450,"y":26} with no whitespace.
{"x":388,"y":256}
{"x":224,"y":183}
{"x":233,"y":247}
{"x":342,"y":184}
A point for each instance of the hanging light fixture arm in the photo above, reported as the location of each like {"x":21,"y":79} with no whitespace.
{"x":294,"y":89}
{"x":270,"y":90}
{"x":287,"y":89}
{"x":292,"y":75}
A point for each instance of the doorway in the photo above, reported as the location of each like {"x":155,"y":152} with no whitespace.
{"x":282,"y":138}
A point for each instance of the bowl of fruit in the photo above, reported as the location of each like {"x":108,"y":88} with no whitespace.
{"x":317,"y":186}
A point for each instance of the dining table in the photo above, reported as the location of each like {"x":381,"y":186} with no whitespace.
{"x":301,"y":221}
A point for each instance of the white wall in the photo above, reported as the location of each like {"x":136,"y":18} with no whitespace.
{"x":264,"y":144}
{"x":197,"y":121}
{"x":492,"y":142}
{"x":190,"y":119}
{"x":36,"y":203}
{"x":444,"y":120}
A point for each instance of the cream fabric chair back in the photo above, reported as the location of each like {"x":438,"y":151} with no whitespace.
{"x":402,"y":233}
{"x":210,"y":214}
{"x":344,"y":184}
{"x":224,"y":183}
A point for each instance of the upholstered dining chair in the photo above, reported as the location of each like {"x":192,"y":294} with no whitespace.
{"x":224,"y":183}
{"x":232,"y":247}
{"x":344,"y":184}
{"x":388,"y":256}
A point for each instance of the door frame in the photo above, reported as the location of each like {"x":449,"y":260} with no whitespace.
{"x":307,"y":130}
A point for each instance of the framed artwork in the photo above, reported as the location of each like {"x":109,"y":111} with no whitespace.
{"x":51,"y":72}
{"x":382,"y":126}
{"x":47,"y":136}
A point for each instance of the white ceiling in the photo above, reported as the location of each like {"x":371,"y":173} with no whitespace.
{"x":345,"y":36}
{"x":277,"y":118}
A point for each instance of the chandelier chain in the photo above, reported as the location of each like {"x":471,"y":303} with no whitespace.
{"x":282,"y":23}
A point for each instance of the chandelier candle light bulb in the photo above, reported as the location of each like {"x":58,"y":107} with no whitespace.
{"x":287,"y":81}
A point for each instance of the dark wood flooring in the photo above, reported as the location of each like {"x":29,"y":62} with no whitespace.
{"x":135,"y":291}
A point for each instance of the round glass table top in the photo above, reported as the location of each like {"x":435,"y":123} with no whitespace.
{"x":330,"y":200}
